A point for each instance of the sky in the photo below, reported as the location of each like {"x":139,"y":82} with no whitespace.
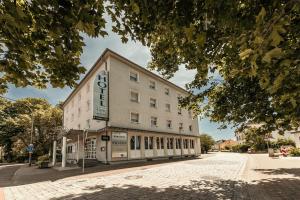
{"x":131,"y":50}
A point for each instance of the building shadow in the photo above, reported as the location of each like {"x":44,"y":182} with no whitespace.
{"x":270,"y":189}
{"x":35,"y":175}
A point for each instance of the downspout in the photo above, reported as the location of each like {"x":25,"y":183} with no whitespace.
{"x":106,"y":122}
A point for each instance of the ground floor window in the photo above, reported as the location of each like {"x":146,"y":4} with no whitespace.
{"x":162,"y":145}
{"x":148,"y":142}
{"x":185,"y":143}
{"x":192,"y":143}
{"x":135,"y":142}
{"x":178,"y":143}
{"x":70,"y":149}
{"x":90,"y":148}
{"x":157,"y":143}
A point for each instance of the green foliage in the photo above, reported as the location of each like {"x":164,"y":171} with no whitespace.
{"x":43,"y":158}
{"x":282,"y":142}
{"x":242,"y":148}
{"x":15,"y":125}
{"x":206,"y":142}
{"x":41,"y":41}
{"x":295,"y":152}
{"x":245,"y":53}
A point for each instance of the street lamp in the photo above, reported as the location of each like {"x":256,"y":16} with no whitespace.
{"x":31,"y":132}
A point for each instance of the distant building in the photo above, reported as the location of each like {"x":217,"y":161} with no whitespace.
{"x":289,"y":135}
{"x":222,"y":145}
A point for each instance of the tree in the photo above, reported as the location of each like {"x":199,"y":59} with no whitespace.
{"x":41,"y":41}
{"x":206,"y":142}
{"x":15,"y":126}
{"x":246,"y":54}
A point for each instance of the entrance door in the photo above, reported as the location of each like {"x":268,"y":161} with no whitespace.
{"x":90,"y":148}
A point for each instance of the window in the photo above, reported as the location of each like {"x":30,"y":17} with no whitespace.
{"x":168,"y":143}
{"x":192,"y":144}
{"x":79,"y":97}
{"x":88,"y":123}
{"x":88,"y":105}
{"x":162,"y":145}
{"x":178,"y":143}
{"x":135,"y":142}
{"x":88,"y":87}
{"x":148,"y":142}
{"x":167,"y":91}
{"x":152,"y":85}
{"x":70,"y":149}
{"x":72,"y":117}
{"x":185,"y":143}
{"x":171,"y":143}
{"x":169,"y":123}
{"x":191,"y":128}
{"x":180,"y":126}
{"x":134,"y":117}
{"x":157,"y":143}
{"x":153,"y":121}
{"x":190,"y":114}
{"x":134,"y":96}
{"x":79,"y":112}
{"x":168,"y":107}
{"x":179,"y":111}
{"x":134,"y":76}
{"x":153,"y":103}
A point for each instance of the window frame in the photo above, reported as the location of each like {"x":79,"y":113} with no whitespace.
{"x":150,"y":85}
{"x":137,"y":76}
{"x":138,"y":96}
{"x":138,"y":121}
{"x":153,"y":125}
{"x":156,"y":102}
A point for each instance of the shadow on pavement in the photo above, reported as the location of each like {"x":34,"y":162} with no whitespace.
{"x":204,"y":189}
{"x":281,"y":171}
{"x":30,"y":175}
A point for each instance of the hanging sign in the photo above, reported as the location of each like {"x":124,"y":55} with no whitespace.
{"x":100,"y":96}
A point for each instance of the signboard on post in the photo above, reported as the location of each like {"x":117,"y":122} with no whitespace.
{"x":100,"y":98}
{"x":30,"y":148}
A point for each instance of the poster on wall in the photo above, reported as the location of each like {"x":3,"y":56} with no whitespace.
{"x":119,"y":145}
{"x":100,"y":96}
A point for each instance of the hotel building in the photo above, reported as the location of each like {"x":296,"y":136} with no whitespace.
{"x":120,"y":111}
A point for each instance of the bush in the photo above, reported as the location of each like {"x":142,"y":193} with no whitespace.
{"x":295,"y":152}
{"x":43,"y":158}
{"x":282,"y":142}
{"x":242,"y":148}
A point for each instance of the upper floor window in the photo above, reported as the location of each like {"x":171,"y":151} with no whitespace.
{"x":134,"y":117}
{"x":190,"y":127}
{"x":79,"y":97}
{"x":180,"y":126}
{"x":153,"y":121}
{"x":152,"y":85}
{"x":134,"y":96}
{"x":179,"y":111}
{"x":190,"y":114}
{"x":153,"y":103}
{"x":88,"y":123}
{"x":79,"y":112}
{"x":134,"y":76}
{"x":88,"y":87}
{"x":169,"y":123}
{"x":72,"y":117}
{"x":168,"y":107}
{"x":88,"y":105}
{"x":167,"y":91}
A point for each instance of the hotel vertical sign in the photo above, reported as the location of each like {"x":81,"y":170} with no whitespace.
{"x":100,"y":99}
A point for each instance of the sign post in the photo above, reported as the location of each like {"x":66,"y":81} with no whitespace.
{"x":30,"y":149}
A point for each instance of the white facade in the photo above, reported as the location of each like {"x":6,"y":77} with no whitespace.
{"x":140,"y":103}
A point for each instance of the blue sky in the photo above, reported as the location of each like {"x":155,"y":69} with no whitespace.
{"x":135,"y":52}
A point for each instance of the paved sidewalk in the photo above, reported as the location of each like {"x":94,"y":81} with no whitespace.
{"x":211,"y":178}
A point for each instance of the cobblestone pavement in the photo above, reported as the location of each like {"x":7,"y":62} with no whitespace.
{"x":223,"y":176}
{"x":214,"y":177}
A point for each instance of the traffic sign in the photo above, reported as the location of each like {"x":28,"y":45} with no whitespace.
{"x":30,"y":148}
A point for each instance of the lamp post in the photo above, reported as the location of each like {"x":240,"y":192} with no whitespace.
{"x":32,"y":122}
